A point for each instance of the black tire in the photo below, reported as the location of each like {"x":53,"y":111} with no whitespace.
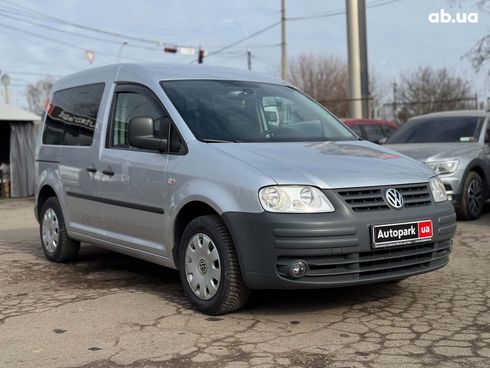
{"x":66,"y":249}
{"x":472,"y":198}
{"x":232,"y":293}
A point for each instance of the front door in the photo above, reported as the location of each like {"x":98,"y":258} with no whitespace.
{"x":132,"y":188}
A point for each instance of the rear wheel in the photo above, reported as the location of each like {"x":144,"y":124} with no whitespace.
{"x":472,"y":198}
{"x":56,"y":244}
{"x":209,"y":268}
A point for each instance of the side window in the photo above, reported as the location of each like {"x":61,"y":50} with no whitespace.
{"x":357,"y":130}
{"x":388,"y":131}
{"x":487,"y":134}
{"x":282,"y":111}
{"x":71,"y":116}
{"x":373,"y":132}
{"x":132,"y":104}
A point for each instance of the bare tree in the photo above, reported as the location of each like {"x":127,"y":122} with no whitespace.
{"x":428,"y":90}
{"x":323,"y":77}
{"x":326,"y":79}
{"x":479,"y":53}
{"x":37,"y":93}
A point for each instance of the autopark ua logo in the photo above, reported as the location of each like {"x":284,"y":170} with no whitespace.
{"x":445,"y":17}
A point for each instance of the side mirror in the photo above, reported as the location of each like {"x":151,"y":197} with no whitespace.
{"x":140,"y":134}
{"x":382,"y":140}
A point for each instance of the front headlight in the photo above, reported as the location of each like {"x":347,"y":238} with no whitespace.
{"x":437,"y":188}
{"x":443,"y":167}
{"x":294,"y":199}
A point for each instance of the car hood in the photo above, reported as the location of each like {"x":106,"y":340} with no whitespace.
{"x":329,"y":164}
{"x":434,"y":151}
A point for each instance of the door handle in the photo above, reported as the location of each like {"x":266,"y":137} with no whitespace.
{"x":108,"y":172}
{"x":91,"y":169}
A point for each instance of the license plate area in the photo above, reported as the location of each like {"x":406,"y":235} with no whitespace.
{"x":405,"y":233}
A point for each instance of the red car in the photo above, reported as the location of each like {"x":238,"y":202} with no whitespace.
{"x":373,"y":130}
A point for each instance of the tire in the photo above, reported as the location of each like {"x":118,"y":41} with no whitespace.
{"x":472,"y":197}
{"x":214,"y":287}
{"x":63,"y":249}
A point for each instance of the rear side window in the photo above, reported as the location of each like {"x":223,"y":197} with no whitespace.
{"x":72,"y":115}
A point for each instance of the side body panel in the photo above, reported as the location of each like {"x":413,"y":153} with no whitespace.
{"x":79,"y":174}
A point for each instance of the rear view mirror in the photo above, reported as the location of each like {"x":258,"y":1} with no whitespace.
{"x":140,"y":134}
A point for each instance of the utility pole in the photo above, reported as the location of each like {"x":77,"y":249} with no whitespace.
{"x":395,"y":105}
{"x":249,"y":59}
{"x":357,"y":54}
{"x":5,"y":80}
{"x":283,"y":40}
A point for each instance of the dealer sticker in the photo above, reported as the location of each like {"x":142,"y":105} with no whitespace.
{"x":391,"y":235}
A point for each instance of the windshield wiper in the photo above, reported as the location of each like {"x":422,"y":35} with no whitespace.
{"x":210,"y":140}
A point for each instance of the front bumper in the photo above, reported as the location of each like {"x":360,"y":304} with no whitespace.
{"x":335,"y":246}
{"x":452,"y":183}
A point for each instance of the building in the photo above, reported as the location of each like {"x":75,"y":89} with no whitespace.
{"x":18,"y":130}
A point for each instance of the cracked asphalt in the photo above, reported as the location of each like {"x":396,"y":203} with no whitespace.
{"x":109,"y":310}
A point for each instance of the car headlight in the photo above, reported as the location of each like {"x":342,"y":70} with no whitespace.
{"x":437,"y":188}
{"x":294,"y":199}
{"x":443,"y":167}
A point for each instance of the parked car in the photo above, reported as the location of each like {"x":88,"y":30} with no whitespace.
{"x":456,"y":144}
{"x":178,"y":165}
{"x":373,"y":130}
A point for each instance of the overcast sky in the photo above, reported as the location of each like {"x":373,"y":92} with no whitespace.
{"x":400,"y":37}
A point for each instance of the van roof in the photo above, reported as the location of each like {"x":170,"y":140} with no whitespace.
{"x":163,"y":71}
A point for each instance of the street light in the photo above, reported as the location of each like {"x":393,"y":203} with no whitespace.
{"x":120,"y":51}
{"x":249,"y":53}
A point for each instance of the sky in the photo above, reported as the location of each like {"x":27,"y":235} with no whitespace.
{"x":400,"y":36}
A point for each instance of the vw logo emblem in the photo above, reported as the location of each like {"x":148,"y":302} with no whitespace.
{"x":394,"y":198}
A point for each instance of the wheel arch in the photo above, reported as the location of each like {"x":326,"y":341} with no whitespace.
{"x":188,"y":212}
{"x":477,"y":167}
{"x":45,"y":192}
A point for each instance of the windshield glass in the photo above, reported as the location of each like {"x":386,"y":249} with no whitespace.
{"x":235,"y":111}
{"x":438,"y":130}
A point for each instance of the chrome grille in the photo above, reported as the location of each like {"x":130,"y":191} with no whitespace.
{"x":372,"y":199}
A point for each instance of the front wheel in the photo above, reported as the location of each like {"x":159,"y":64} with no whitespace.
{"x":472,"y":198}
{"x":209,"y":268}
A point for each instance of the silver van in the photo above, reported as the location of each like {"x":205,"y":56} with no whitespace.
{"x":187,"y":167}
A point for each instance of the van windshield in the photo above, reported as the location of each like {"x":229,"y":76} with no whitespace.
{"x":237,"y":111}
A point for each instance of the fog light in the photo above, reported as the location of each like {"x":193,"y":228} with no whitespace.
{"x":297,"y":269}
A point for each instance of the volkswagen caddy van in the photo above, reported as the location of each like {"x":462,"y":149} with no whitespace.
{"x":186,"y":166}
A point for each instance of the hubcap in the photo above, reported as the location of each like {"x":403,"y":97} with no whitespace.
{"x":50,"y":230}
{"x":475,"y":197}
{"x":202,"y":266}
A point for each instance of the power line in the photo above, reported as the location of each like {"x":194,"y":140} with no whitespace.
{"x":45,"y":26}
{"x":250,"y":20}
{"x":87,"y":28}
{"x":10,"y":27}
{"x":340,"y":12}
{"x":24,"y":11}
{"x":244,"y":39}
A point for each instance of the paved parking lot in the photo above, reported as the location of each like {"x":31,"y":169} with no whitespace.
{"x":108,"y":310}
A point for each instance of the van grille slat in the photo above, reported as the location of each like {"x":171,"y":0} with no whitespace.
{"x":372,"y":198}
{"x":371,"y":264}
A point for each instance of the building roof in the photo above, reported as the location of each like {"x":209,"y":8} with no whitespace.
{"x":9,"y":113}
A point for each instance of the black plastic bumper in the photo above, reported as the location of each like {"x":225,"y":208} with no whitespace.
{"x":335,"y":246}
